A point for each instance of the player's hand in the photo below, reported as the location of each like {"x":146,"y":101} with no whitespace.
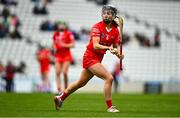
{"x":120,"y":56}
{"x":119,"y":21}
{"x":114,"y":51}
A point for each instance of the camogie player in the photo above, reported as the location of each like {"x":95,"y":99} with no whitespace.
{"x":43,"y":56}
{"x":63,"y":40}
{"x":104,"y":36}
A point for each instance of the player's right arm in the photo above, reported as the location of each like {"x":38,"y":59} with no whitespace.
{"x":98,"y":46}
{"x":95,"y":33}
{"x":54,"y":42}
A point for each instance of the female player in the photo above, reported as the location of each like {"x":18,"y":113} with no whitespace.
{"x":104,"y":36}
{"x":43,"y":56}
{"x":63,"y":40}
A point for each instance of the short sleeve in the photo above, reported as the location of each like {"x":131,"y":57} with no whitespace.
{"x":95,"y":31}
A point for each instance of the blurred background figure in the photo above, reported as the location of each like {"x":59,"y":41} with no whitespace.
{"x":116,"y":75}
{"x":1,"y":76}
{"x":10,"y":70}
{"x":14,"y":24}
{"x":63,"y":40}
{"x":40,"y":7}
{"x":21,"y":68}
{"x":100,"y":2}
{"x":1,"y":68}
{"x":7,"y":73}
{"x":43,"y":56}
{"x":9,"y":2}
{"x":157,"y":38}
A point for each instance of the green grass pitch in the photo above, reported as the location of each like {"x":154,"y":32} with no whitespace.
{"x":89,"y":105}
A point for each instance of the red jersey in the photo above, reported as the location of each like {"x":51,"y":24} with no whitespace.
{"x":62,"y":53}
{"x":107,"y":38}
{"x":10,"y":71}
{"x":44,"y":59}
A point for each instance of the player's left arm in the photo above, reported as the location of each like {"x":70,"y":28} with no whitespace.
{"x":119,"y":22}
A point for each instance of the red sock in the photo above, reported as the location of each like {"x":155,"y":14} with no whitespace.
{"x":109,"y":103}
{"x":63,"y":96}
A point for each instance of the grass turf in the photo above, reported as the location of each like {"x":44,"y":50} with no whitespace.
{"x":89,"y":105}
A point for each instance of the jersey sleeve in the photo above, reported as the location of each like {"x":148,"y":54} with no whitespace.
{"x":95,"y":31}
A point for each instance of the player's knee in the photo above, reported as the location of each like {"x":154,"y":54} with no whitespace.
{"x":58,"y":74}
{"x":109,"y":78}
{"x":65,"y":73}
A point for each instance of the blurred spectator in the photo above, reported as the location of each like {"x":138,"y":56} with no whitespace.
{"x":43,"y":56}
{"x":3,"y":31}
{"x":40,"y":10}
{"x":47,"y":26}
{"x":40,"y":7}
{"x":6,"y":12}
{"x":125,"y":38}
{"x":21,"y":68}
{"x":143,"y":40}
{"x":157,"y":37}
{"x":8,"y":73}
{"x":2,"y":83}
{"x":9,"y":2}
{"x":14,"y":24}
{"x":100,"y":2}
{"x":84,"y":34}
{"x":9,"y":25}
{"x":9,"y":76}
{"x":1,"y":67}
{"x":116,"y":74}
{"x":75,"y":34}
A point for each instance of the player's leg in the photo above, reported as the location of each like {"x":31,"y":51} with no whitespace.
{"x":101,"y":72}
{"x":44,"y":76}
{"x":65,"y":68}
{"x":46,"y":82}
{"x":85,"y":76}
{"x":58,"y":69}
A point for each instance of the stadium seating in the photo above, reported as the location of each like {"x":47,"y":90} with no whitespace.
{"x":140,"y":63}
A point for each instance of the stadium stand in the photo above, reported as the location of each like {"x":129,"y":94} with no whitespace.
{"x":141,"y":64}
